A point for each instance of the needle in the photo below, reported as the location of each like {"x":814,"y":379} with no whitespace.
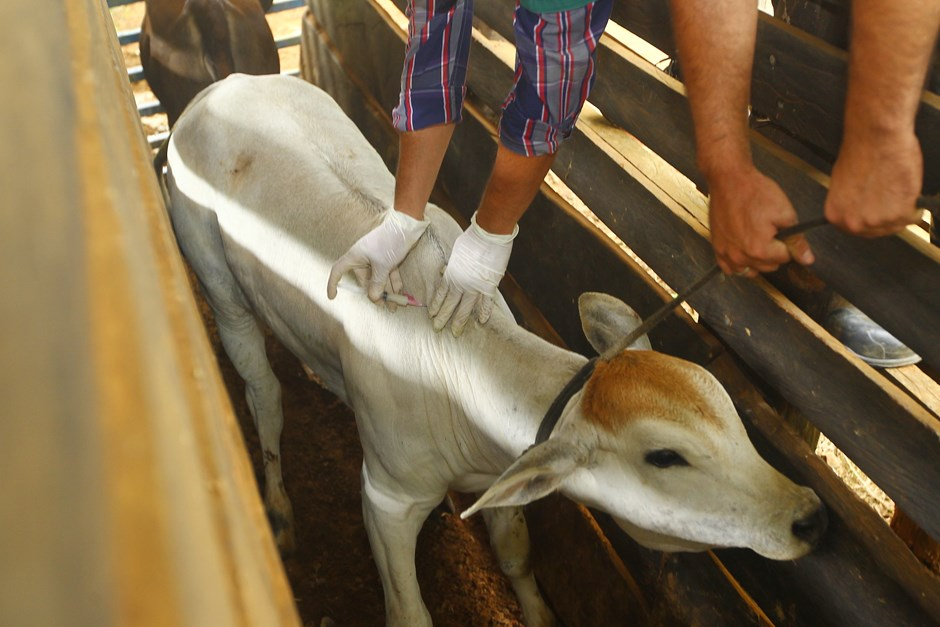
{"x":404,"y":299}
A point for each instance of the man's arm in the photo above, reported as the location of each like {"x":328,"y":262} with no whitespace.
{"x":716,"y":50}
{"x":879,"y":172}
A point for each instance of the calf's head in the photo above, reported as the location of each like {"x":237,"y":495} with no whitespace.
{"x":655,"y":442}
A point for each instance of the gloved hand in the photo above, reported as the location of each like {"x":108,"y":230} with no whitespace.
{"x":476,"y":265}
{"x":375,"y":257}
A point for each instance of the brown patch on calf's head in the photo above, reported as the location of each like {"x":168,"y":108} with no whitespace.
{"x":646,"y":384}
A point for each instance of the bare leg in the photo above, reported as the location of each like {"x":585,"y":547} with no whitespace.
{"x":511,"y":188}
{"x":420,"y":154}
{"x":513,"y":183}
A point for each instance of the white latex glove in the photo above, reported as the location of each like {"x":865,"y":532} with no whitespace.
{"x":476,"y":265}
{"x":375,"y":257}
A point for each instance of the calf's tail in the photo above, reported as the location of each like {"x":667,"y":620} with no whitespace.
{"x":159,"y":163}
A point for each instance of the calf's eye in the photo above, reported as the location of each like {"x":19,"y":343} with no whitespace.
{"x":665,"y":458}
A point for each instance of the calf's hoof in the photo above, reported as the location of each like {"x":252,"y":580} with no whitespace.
{"x":283,"y":529}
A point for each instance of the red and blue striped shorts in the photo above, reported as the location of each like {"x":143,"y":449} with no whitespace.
{"x":555,"y":69}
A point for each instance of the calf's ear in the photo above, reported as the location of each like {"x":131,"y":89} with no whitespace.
{"x":605,"y":319}
{"x":538,"y":472}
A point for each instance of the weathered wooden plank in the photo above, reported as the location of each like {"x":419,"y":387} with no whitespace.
{"x":323,"y":65}
{"x":648,"y":20}
{"x":578,"y":576}
{"x":922,"y":545}
{"x":920,"y":386}
{"x":882,"y":562}
{"x":892,"y":279}
{"x":800,"y":82}
{"x":356,"y":34}
{"x":690,"y":589}
{"x":650,"y":104}
{"x":130,"y":498}
{"x":54,"y":513}
{"x":829,"y":20}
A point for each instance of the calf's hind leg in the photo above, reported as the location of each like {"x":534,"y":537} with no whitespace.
{"x":509,"y":537}
{"x":197,"y":232}
{"x":244,"y":344}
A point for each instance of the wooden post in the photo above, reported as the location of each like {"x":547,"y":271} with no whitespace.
{"x":922,"y":545}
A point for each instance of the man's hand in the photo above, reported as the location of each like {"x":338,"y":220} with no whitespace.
{"x":476,"y":265}
{"x":875,"y":183}
{"x":746,"y":209}
{"x":375,"y":257}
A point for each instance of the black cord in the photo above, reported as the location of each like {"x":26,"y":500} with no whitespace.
{"x":553,"y":415}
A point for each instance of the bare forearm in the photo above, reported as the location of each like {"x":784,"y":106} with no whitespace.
{"x":892,"y":41}
{"x":879,"y":171}
{"x":746,"y":209}
{"x":716,"y":52}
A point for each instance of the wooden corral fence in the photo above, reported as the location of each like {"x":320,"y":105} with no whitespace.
{"x":128,"y":498}
{"x":631,"y":162}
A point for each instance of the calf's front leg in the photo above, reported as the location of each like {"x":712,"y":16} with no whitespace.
{"x":393,"y":520}
{"x":509,"y":537}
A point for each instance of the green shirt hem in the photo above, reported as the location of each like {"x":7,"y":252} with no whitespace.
{"x":553,"y":6}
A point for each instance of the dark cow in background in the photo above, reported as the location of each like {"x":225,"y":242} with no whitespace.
{"x":185,"y":45}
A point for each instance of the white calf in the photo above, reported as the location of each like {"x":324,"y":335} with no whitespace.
{"x":270,"y":183}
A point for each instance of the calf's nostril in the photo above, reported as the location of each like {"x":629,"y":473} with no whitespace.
{"x":811,"y":528}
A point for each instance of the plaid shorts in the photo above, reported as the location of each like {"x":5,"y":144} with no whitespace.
{"x":555,"y":69}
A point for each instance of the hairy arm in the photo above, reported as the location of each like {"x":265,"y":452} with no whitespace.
{"x":879,"y":171}
{"x":716,"y":51}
